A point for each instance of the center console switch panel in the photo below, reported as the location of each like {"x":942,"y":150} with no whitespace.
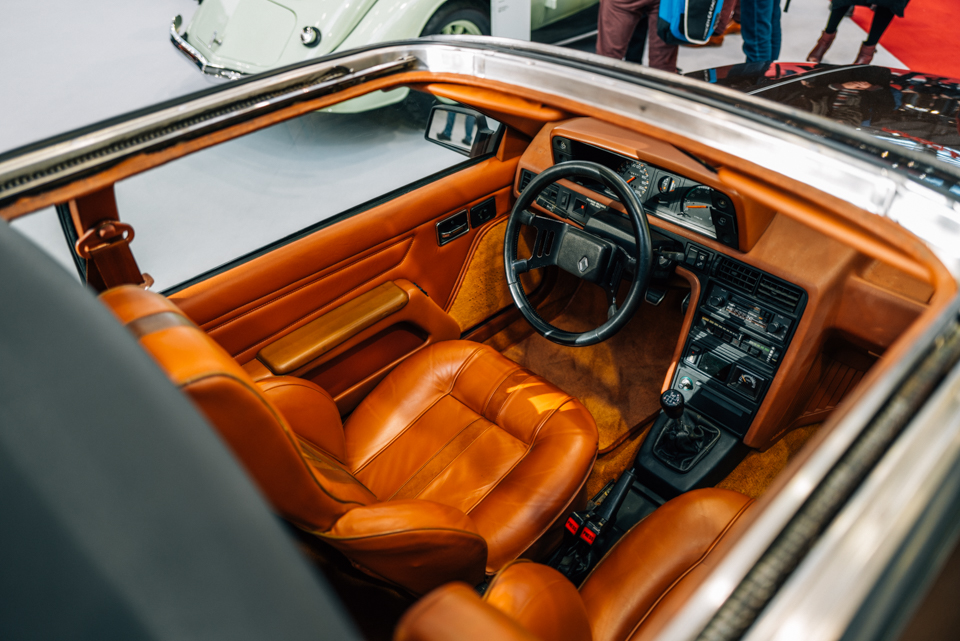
{"x":743,"y":324}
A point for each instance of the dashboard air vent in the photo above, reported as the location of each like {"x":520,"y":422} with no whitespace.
{"x":771,"y":291}
{"x":525,"y":177}
{"x":738,"y":275}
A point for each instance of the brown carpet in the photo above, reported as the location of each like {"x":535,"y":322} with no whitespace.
{"x":756,"y":472}
{"x":618,"y":380}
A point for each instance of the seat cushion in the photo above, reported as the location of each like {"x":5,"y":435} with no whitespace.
{"x":461,"y":425}
{"x":632,"y":594}
{"x":638,"y":585}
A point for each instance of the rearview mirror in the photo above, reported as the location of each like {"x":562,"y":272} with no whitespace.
{"x":462,"y":130}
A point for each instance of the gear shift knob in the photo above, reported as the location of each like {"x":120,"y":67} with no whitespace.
{"x":671,"y":402}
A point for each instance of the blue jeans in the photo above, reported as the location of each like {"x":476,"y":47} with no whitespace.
{"x":760,"y":28}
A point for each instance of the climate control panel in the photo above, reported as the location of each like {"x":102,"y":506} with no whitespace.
{"x":737,"y":341}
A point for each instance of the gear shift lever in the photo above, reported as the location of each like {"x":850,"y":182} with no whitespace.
{"x":681,"y":445}
{"x":672,"y":404}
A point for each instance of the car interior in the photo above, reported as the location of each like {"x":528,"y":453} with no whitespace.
{"x":537,"y":396}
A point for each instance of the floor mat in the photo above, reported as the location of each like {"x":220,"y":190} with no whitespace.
{"x":756,"y":472}
{"x":619,"y":379}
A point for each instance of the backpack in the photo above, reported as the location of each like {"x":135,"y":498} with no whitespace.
{"x":683,"y":22}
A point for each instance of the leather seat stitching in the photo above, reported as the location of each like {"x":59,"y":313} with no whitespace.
{"x":538,"y":595}
{"x":286,"y":430}
{"x":493,"y":392}
{"x":565,"y":508}
{"x":313,"y":279}
{"x":695,"y":565}
{"x":450,"y":386}
{"x":462,"y":453}
{"x":336,"y":537}
{"x":516,"y":463}
{"x":436,"y":454}
{"x":306,"y":444}
{"x":543,"y":421}
{"x":583,"y":481}
{"x":496,"y":578}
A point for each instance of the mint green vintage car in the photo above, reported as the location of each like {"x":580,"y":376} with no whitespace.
{"x":234,"y":38}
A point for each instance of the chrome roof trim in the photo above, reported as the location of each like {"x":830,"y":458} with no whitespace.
{"x":541,"y":67}
{"x":211,"y":110}
{"x":841,"y":569}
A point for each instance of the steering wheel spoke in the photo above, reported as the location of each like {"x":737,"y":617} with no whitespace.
{"x":579,"y":252}
{"x":546,"y":244}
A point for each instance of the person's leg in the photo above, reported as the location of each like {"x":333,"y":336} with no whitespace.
{"x":756,"y":29}
{"x":663,"y":56}
{"x":448,"y":130}
{"x":775,"y":30}
{"x":615,"y":25}
{"x":882,"y":17}
{"x":881,"y":20}
{"x":726,"y":15}
{"x":827,"y":37}
{"x":638,"y":43}
{"x":833,"y":22}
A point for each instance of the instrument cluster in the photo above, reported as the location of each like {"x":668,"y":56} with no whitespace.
{"x":664,"y":194}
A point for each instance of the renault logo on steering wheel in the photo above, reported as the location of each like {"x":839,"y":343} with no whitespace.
{"x":583,"y":264}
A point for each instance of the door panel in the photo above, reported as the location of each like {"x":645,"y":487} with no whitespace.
{"x":257,"y":302}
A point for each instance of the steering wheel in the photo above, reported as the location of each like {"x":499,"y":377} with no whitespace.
{"x":594,"y":254}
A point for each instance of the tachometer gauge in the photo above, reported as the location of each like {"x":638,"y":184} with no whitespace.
{"x":696,"y":206}
{"x":636,"y":175}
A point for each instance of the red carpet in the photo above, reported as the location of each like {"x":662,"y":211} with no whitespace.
{"x":926,"y":38}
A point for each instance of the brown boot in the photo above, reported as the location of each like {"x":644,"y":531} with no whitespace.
{"x":819,"y":49}
{"x":732,"y":28}
{"x":866,"y":54}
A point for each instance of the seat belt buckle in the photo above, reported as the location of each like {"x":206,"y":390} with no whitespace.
{"x":591,"y":530}
{"x":575,"y":522}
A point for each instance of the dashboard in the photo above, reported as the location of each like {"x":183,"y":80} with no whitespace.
{"x":774,"y":300}
{"x":664,"y":194}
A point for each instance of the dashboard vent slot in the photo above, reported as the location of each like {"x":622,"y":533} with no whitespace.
{"x":778,"y":293}
{"x":525,"y":177}
{"x":738,"y":275}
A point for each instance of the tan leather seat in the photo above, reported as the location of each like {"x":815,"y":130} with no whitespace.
{"x":456,"y":463}
{"x":631,"y":595}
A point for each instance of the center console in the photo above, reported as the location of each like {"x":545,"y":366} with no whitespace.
{"x":742,"y":325}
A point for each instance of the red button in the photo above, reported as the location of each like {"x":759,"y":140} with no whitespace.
{"x":572,"y":526}
{"x":588,"y":536}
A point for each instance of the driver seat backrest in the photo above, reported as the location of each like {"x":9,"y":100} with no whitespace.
{"x":306,"y":484}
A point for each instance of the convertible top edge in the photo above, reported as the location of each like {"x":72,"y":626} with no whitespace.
{"x":23,"y":170}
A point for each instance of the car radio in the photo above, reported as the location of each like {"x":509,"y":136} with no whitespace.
{"x":743,"y":325}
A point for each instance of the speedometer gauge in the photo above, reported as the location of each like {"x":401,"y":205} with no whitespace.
{"x":696,"y":206}
{"x":636,"y":175}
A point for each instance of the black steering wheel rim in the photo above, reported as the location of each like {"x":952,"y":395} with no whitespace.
{"x":643,"y":254}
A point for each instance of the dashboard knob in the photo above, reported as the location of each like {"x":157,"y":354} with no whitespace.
{"x":774,"y":328}
{"x":672,"y":403}
{"x":715,"y":301}
{"x":685,"y":383}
